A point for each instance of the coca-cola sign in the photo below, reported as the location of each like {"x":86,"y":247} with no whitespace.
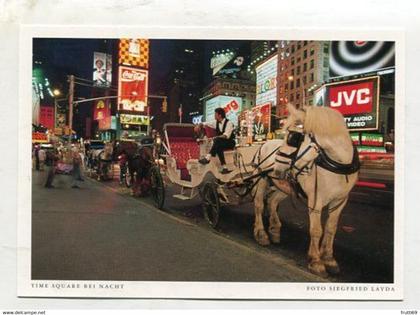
{"x":132,"y":89}
{"x":133,"y":76}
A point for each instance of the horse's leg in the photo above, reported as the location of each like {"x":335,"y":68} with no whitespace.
{"x":329,"y":235}
{"x":315,"y":265}
{"x":275,"y":223}
{"x":259,"y":233}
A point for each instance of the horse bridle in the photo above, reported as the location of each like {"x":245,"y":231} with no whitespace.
{"x":295,"y":140}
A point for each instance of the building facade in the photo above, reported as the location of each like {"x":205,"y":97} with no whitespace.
{"x":303,"y":66}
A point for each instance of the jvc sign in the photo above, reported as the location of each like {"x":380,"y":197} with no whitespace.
{"x":357,"y":100}
{"x":352,"y":98}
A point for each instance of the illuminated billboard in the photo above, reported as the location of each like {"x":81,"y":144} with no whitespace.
{"x":266,"y":91}
{"x":357,"y":100}
{"x":231,"y":105}
{"x":259,"y":119}
{"x":102,"y":113}
{"x":127,"y":119}
{"x":132,"y":89}
{"x":134,"y":52}
{"x":102,"y":69}
{"x":355,"y":57}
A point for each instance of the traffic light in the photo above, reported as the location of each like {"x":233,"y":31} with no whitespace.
{"x":164,"y":106}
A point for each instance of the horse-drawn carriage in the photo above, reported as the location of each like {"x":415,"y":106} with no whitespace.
{"x":316,"y":161}
{"x":99,"y":160}
{"x":181,"y":167}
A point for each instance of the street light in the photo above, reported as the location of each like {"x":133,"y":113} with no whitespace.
{"x":56,"y":92}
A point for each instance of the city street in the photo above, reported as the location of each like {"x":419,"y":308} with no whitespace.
{"x":96,"y":233}
{"x":100,"y":232}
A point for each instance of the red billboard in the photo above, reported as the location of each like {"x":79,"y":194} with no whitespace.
{"x":350,"y":99}
{"x":132,"y":89}
{"x":102,"y":113}
{"x":357,"y":100}
{"x":46,"y":116}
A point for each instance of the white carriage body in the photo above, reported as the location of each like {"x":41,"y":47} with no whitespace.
{"x":183,"y":168}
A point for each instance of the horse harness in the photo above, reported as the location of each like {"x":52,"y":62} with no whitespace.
{"x":295,"y":140}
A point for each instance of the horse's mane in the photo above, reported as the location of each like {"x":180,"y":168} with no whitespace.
{"x":328,"y":127}
{"x":325,"y":122}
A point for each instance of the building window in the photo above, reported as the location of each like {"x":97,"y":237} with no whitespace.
{"x":285,"y":88}
{"x":292,"y":61}
{"x":326,"y":49}
{"x":304,"y":79}
{"x":298,"y":60}
{"x":305,"y":42}
{"x":292,"y":97}
{"x":292,"y":72}
{"x":312,"y":77}
{"x":305,"y":54}
{"x":312,"y":64}
{"x":298,"y":45}
{"x":298,"y":70}
{"x":226,"y":86}
{"x":292,"y":85}
{"x":312,"y":51}
{"x":293,"y":49}
{"x":297,"y":83}
{"x":311,"y":102}
{"x":297,"y":96}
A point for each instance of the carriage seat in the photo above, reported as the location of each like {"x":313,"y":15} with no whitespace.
{"x":184,"y":149}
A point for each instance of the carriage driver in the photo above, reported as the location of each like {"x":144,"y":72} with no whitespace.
{"x":225,"y":138}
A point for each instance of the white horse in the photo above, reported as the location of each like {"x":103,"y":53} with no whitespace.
{"x":318,"y":156}
{"x":101,"y":159}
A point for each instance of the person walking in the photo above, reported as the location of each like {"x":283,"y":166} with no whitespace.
{"x":122,"y":161}
{"x":224,"y":140}
{"x":51,"y":158}
{"x":36,"y":150}
{"x":77,"y":161}
{"x":41,"y":157}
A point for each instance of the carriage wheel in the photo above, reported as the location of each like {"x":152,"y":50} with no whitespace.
{"x":157,"y":187}
{"x":211,"y":204}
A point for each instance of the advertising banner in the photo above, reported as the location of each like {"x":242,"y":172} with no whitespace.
{"x":132,"y":89}
{"x":127,"y":119}
{"x":102,"y":113}
{"x":134,"y":52}
{"x":39,"y":137}
{"x":102,"y":69}
{"x":260,"y":119}
{"x":357,"y":100}
{"x":372,"y":139}
{"x":231,"y":105}
{"x":355,"y":57}
{"x":220,"y":60}
{"x":267,"y":82}
{"x":46,"y":116}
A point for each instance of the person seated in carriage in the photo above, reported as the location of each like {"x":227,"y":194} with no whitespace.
{"x":224,"y":140}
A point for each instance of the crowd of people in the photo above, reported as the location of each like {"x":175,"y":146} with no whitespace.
{"x":59,"y":158}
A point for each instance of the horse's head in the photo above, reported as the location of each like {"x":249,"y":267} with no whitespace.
{"x":298,"y":149}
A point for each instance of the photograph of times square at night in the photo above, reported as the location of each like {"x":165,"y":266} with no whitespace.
{"x":213,"y":160}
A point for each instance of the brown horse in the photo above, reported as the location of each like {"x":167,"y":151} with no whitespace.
{"x":139,"y":162}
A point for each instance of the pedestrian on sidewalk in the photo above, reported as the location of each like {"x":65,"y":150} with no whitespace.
{"x":51,"y":158}
{"x":77,"y":161}
{"x":41,"y":157}
{"x":36,"y":150}
{"x":123,"y":166}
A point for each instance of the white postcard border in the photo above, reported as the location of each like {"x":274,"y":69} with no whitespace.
{"x":200,"y":290}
